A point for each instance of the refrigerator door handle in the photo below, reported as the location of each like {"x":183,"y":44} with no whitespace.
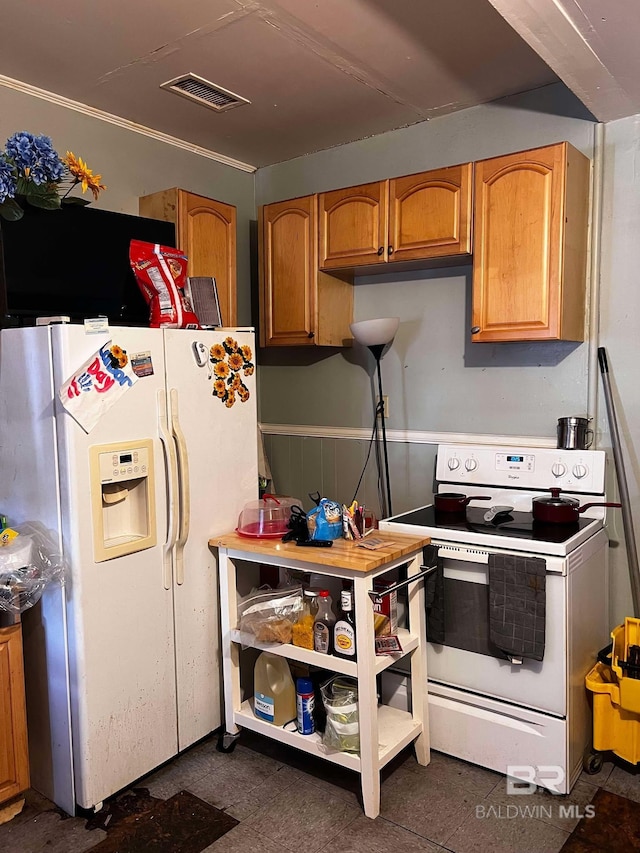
{"x":184,"y":490}
{"x":172,"y":485}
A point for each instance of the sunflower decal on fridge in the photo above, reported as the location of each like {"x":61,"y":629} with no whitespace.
{"x":230,"y":363}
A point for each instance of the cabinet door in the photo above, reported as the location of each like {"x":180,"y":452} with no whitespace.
{"x":518,"y":245}
{"x":353,"y":226}
{"x":14,"y":758}
{"x":430,"y":214}
{"x":207,"y":233}
{"x":288,"y":273}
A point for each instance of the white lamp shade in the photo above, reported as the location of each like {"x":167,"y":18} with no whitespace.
{"x":370,"y":333}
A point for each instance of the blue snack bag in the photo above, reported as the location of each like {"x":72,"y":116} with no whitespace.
{"x":325,"y":521}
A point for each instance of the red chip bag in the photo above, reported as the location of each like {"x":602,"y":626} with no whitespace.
{"x":161,"y":274}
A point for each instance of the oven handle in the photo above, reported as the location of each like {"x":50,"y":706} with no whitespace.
{"x":374,"y":596}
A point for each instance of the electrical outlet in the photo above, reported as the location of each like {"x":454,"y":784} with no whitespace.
{"x":385,"y":400}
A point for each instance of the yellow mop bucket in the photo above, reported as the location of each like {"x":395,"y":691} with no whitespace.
{"x":616,"y":695}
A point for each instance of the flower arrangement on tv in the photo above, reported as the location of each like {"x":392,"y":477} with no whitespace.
{"x":31,"y":171}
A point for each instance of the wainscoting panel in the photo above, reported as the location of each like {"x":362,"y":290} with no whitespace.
{"x":301,"y":465}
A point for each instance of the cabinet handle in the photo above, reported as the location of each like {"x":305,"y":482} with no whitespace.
{"x":390,"y":250}
{"x":311,"y":334}
{"x":475,"y":330}
{"x":381,"y":250}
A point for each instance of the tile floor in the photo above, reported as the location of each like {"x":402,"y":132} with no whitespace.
{"x":286,"y":802}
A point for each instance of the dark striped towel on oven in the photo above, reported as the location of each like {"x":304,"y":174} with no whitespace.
{"x":517,"y":605}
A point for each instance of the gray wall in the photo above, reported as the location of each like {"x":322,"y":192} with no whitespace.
{"x":620,"y":329}
{"x":133,"y":165}
{"x":435,"y":377}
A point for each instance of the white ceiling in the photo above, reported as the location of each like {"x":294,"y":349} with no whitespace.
{"x":318,"y":73}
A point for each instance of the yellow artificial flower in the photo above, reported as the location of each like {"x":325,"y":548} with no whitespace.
{"x":231,"y":344}
{"x":221,"y":369}
{"x":83,"y":174}
{"x":235,"y":361}
{"x":217,"y":352}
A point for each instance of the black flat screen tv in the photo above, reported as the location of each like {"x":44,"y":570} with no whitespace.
{"x":74,"y":262}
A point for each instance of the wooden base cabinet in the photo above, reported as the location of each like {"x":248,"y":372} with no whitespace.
{"x":14,"y":755}
{"x":412,"y":218}
{"x":530,"y":245}
{"x":299,"y":304}
{"x":206,"y":232}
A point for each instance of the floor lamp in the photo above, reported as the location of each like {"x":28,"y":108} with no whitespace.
{"x":376,"y":335}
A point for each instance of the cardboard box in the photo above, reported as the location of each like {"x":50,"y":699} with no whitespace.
{"x":385,"y":610}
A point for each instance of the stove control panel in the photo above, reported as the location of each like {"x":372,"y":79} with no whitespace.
{"x":522,"y":467}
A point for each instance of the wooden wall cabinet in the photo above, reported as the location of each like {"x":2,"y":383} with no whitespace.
{"x":530,"y":245}
{"x":14,"y":755}
{"x":299,"y":304}
{"x":412,"y":218}
{"x":206,"y":232}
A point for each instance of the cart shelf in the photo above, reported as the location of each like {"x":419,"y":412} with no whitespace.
{"x":396,"y":729}
{"x":408,"y":641}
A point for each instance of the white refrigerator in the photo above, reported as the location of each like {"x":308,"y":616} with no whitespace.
{"x":122,"y":660}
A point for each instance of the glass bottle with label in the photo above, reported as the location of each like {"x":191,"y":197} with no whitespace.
{"x":323,"y":624}
{"x":344,"y":631}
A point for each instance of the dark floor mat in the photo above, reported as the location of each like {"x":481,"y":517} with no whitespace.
{"x":181,"y":824}
{"x":614,"y":828}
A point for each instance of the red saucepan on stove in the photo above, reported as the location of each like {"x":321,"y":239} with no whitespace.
{"x":455,"y":501}
{"x":557,"y":510}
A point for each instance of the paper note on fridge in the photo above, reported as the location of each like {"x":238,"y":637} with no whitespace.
{"x":97,"y":385}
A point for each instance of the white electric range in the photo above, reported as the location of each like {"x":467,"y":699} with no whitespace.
{"x":485,"y":706}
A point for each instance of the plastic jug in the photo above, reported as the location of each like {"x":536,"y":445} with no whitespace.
{"x":274,"y":693}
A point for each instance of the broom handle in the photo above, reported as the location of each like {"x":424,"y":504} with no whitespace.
{"x":627,"y":518}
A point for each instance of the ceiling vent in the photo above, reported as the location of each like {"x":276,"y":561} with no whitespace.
{"x":203,"y":92}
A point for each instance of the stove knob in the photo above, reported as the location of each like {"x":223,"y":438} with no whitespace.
{"x":470,"y":464}
{"x":453,"y":463}
{"x":558,"y":469}
{"x":580,"y":471}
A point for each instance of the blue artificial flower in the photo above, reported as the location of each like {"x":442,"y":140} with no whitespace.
{"x":35,"y":157}
{"x":7,"y":181}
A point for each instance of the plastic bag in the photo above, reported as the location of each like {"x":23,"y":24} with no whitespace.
{"x":161,"y":276}
{"x":28,"y":564}
{"x":325,"y":520}
{"x":340,"y":700}
{"x":269,"y":614}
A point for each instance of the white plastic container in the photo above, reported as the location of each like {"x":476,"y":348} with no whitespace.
{"x":274,"y":693}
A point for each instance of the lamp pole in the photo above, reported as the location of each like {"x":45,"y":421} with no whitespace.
{"x":387,"y":509}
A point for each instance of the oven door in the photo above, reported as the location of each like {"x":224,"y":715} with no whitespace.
{"x":468,"y":660}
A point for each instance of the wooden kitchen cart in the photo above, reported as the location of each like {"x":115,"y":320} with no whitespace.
{"x":384,"y":731}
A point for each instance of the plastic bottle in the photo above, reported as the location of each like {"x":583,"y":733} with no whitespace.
{"x":305,"y":700}
{"x":344,"y":631}
{"x":303,"y":627}
{"x":323,"y":624}
{"x":274,"y":694}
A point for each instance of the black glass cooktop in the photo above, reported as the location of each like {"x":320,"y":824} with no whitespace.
{"x":519,"y":525}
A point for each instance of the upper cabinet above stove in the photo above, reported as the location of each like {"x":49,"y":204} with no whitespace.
{"x":411,"y":218}
{"x":530,"y":245}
